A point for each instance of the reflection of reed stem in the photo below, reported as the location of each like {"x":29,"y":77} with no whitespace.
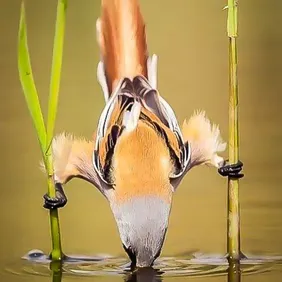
{"x":144,"y":275}
{"x":56,"y":268}
{"x":234,"y":272}
{"x":233,"y":184}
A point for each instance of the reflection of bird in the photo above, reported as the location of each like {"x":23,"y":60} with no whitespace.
{"x":138,"y":155}
{"x":147,"y":274}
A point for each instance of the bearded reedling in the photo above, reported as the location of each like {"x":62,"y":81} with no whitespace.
{"x":138,"y":155}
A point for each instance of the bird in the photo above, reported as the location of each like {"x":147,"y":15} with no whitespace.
{"x":139,"y":154}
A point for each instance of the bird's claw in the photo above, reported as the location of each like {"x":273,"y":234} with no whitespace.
{"x":231,"y":170}
{"x":53,"y":203}
{"x":59,"y":201}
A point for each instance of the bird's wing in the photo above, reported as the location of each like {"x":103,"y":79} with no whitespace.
{"x":121,"y":113}
{"x":205,"y":143}
{"x":205,"y":139}
{"x":135,"y":100}
{"x":72,"y":158}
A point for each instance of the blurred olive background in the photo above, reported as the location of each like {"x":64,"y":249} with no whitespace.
{"x":189,"y":36}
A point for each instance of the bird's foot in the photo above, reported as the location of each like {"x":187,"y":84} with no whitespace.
{"x":231,"y":170}
{"x":59,"y":201}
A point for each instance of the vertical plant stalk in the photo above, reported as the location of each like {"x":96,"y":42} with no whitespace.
{"x":234,"y":272}
{"x":57,"y":272}
{"x":32,"y":100}
{"x":233,"y":244}
{"x":56,"y":253}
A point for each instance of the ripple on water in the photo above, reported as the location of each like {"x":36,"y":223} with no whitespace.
{"x":196,"y":264}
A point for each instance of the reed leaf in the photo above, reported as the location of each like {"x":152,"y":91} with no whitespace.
{"x":27,"y":82}
{"x":56,"y":69}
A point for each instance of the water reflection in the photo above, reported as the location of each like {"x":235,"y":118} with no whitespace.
{"x":155,"y":275}
{"x":144,"y":275}
{"x":141,"y":275}
{"x":148,"y":274}
{"x":57,"y":271}
{"x":192,"y":265}
{"x":36,"y":263}
{"x":234,"y":272}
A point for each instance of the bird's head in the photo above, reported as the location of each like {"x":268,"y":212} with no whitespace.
{"x":142,"y":223}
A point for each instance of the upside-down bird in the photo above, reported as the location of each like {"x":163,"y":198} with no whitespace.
{"x":138,"y":154}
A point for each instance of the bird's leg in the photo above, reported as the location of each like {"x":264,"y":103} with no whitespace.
{"x":58,"y":201}
{"x":231,"y":170}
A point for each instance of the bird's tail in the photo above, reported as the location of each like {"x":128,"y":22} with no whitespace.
{"x":122,"y":42}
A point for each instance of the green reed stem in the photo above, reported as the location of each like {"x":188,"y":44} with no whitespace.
{"x":233,"y":245}
{"x":52,"y":111}
{"x":32,"y":100}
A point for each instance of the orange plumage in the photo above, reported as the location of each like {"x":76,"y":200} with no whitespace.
{"x":142,"y":164}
